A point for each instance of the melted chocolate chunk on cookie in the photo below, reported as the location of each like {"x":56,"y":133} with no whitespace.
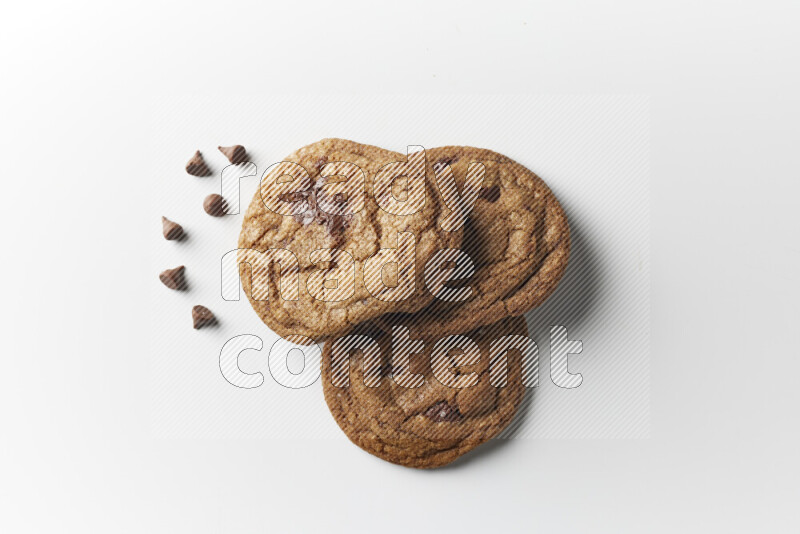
{"x":442,"y":162}
{"x":307,"y":216}
{"x":492,"y":194}
{"x":321,"y":162}
{"x":391,"y":370}
{"x":386,"y":369}
{"x":442,"y":412}
{"x":335,"y":224}
{"x":294,"y":196}
{"x":448,"y":264}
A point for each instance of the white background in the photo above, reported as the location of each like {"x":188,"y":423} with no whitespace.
{"x":592,"y":150}
{"x":80,"y":81}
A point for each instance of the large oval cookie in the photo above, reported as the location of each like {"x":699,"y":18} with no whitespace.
{"x":516,"y":235}
{"x":387,"y":411}
{"x":323,"y":308}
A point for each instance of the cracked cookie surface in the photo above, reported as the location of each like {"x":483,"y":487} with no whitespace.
{"x":432,"y":424}
{"x":516,"y":235}
{"x":360,"y":234}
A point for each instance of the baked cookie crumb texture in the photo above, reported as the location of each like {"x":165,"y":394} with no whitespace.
{"x":432,"y":424}
{"x":517,"y":237}
{"x":361,"y":235}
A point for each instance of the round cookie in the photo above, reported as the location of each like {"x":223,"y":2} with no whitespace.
{"x":516,"y":235}
{"x":432,"y":424}
{"x":317,"y":223}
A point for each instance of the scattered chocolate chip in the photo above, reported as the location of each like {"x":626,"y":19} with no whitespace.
{"x":235,"y":153}
{"x":442,"y":412}
{"x":197,"y":166}
{"x":492,"y":194}
{"x":202,"y":316}
{"x":172,"y":230}
{"x":215,"y":205}
{"x":174,"y":278}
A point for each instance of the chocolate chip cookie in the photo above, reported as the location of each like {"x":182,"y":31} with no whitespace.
{"x":425,"y":407}
{"x":333,"y":195}
{"x":516,"y":235}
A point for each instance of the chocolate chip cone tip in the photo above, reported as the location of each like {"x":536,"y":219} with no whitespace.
{"x":196,"y":166}
{"x":174,"y":278}
{"x":172,"y":230}
{"x":202,"y":316}
{"x":235,"y":154}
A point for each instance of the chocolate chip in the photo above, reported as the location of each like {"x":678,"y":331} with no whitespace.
{"x":174,"y":278}
{"x":442,"y":412}
{"x":441,"y":162}
{"x":197,"y":165}
{"x":492,"y":194}
{"x":202,"y":316}
{"x":337,"y":224}
{"x":334,"y":224}
{"x":321,"y":162}
{"x":215,"y":205}
{"x":235,"y":153}
{"x":387,"y":369}
{"x":294,"y":196}
{"x":172,"y":230}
